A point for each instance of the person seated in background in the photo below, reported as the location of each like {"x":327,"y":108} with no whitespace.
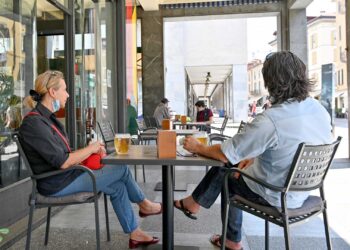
{"x":45,"y":143}
{"x":266,"y":148}
{"x":204,"y":114}
{"x":131,"y":116}
{"x":162,"y":111}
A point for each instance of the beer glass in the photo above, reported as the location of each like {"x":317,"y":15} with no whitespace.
{"x":121,"y":143}
{"x":202,"y":137}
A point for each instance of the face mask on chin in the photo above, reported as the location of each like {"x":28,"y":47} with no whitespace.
{"x":56,"y":105}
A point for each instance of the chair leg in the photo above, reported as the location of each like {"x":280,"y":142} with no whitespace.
{"x":144,"y":174}
{"x":135,"y":172}
{"x":326,"y":229}
{"x":224,"y":225}
{"x":107,"y":217}
{"x":286,"y":235}
{"x":29,"y":229}
{"x":47,"y":232}
{"x":266,"y":234}
{"x":97,"y":224}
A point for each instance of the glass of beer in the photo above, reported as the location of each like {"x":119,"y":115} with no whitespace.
{"x":202,"y":137}
{"x":121,"y":143}
{"x":183,"y":119}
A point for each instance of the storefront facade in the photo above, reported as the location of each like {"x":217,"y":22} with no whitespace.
{"x":85,"y":40}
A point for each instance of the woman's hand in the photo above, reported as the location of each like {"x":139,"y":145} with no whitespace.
{"x":192,"y":144}
{"x":97,"y":148}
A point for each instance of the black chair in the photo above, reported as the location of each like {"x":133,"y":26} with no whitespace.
{"x":241,"y":127}
{"x":307,"y":172}
{"x":144,"y":138}
{"x":108,"y":134}
{"x":36,"y":200}
{"x":223,"y":126}
{"x":152,"y":122}
{"x":215,"y":139}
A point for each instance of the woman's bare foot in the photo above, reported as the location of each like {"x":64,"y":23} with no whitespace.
{"x":140,"y":235}
{"x":149,"y":207}
{"x":189,"y":203}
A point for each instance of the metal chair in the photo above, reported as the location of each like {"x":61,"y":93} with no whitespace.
{"x":108,"y":133}
{"x":307,"y":172}
{"x":241,"y":127}
{"x":36,"y":200}
{"x":223,"y":126}
{"x":216,"y":138}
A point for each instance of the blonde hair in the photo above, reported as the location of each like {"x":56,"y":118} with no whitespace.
{"x":45,"y":81}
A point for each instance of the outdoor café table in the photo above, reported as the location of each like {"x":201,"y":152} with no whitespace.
{"x":180,"y":132}
{"x":147,"y":155}
{"x":189,"y":124}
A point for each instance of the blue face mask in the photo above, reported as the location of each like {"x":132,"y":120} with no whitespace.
{"x":56,"y":105}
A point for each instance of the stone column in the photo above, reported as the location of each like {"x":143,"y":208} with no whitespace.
{"x":152,"y":60}
{"x":298,"y":33}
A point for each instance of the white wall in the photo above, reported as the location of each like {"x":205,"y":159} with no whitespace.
{"x":211,"y":41}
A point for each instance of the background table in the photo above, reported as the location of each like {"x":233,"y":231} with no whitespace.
{"x":147,"y":155}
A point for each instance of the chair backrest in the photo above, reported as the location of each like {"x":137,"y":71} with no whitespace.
{"x":22,"y":154}
{"x":241,"y":127}
{"x":153,"y":122}
{"x":310,"y":166}
{"x":147,"y":121}
{"x":107,"y":131}
{"x":223,"y":125}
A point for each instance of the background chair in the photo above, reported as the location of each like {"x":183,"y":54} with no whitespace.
{"x":36,"y":200}
{"x":308,"y":171}
{"x":108,"y":134}
{"x":241,"y":127}
{"x":223,"y":126}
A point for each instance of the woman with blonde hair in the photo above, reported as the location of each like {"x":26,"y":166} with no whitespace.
{"x":46,"y":145}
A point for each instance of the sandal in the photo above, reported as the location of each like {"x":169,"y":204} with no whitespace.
{"x":186,"y":212}
{"x":216,"y":241}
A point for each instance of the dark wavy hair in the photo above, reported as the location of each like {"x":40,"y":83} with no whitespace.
{"x":285,"y":77}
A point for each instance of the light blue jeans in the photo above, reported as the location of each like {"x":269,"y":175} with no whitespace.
{"x":117,"y":182}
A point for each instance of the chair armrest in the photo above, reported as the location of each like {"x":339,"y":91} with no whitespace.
{"x":259,"y":181}
{"x":215,"y":128}
{"x":60,"y":171}
{"x":149,"y":128}
{"x":75,"y":167}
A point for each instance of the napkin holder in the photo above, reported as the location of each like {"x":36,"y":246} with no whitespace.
{"x":166,"y":144}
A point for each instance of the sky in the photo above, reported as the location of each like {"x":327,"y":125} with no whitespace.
{"x":260,"y":30}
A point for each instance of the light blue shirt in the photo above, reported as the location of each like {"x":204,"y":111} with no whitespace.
{"x":273,"y":138}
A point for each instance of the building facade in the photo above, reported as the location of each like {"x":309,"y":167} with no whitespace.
{"x":86,"y":41}
{"x":321,"y":47}
{"x":341,"y":76}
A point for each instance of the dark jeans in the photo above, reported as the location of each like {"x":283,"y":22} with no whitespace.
{"x":209,"y":189}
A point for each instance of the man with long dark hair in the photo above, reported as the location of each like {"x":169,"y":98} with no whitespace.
{"x":265,"y":149}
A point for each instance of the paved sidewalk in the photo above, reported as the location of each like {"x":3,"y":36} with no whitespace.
{"x":73,"y":228}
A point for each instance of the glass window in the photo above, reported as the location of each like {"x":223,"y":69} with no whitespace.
{"x":17,"y":40}
{"x":94,"y":67}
